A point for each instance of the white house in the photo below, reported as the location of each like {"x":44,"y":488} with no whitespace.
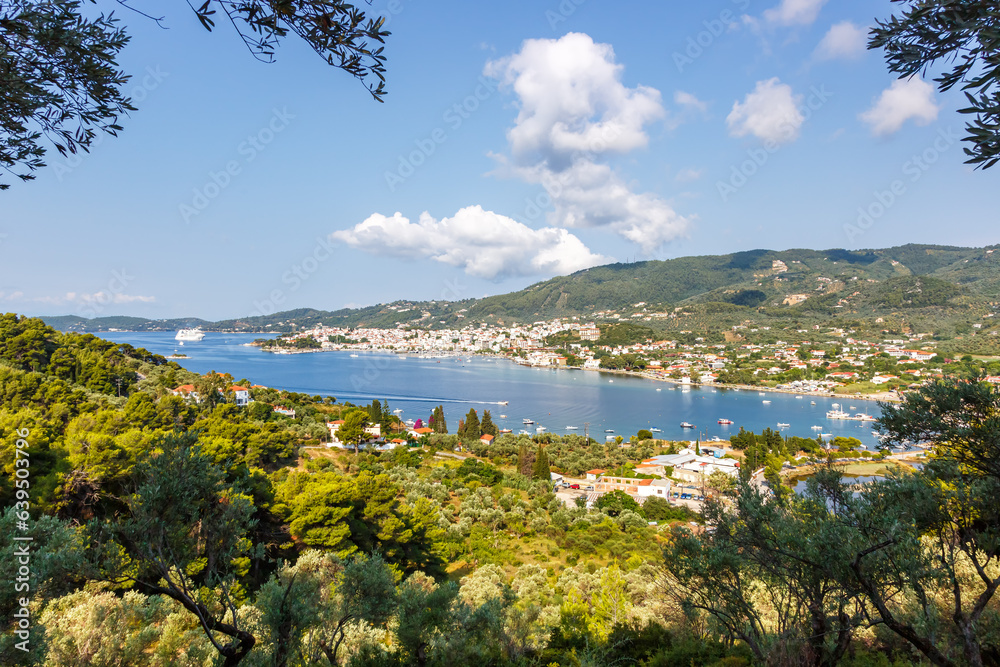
{"x":241,"y":395}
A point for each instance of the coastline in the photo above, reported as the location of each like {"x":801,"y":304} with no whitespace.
{"x":886,"y":397}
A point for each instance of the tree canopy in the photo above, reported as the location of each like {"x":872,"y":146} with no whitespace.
{"x":60,"y":81}
{"x":963,"y":35}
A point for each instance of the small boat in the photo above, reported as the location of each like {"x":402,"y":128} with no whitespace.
{"x":354,"y":355}
{"x":783,"y":425}
{"x":609,"y":438}
{"x":686,"y":425}
{"x":798,"y":397}
{"x":659,"y":389}
{"x":812,"y":402}
{"x":610,"y":380}
{"x":816,"y":428}
{"x":398,"y":411}
{"x":609,"y":430}
{"x":506,"y":430}
{"x":655,"y":430}
{"x":503,"y":416}
{"x":502,"y":402}
{"x":523,"y":432}
{"x":726,"y":421}
{"x":571,"y":428}
{"x":539,"y":429}
{"x":527,"y":421}
{"x":766,"y":402}
{"x":760,"y":393}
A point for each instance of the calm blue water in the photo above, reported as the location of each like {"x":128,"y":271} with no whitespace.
{"x":552,"y":398}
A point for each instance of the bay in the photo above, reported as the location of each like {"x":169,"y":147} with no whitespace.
{"x":611,"y":404}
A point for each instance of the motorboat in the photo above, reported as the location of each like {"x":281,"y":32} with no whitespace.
{"x":726,"y":421}
{"x":655,"y":430}
{"x":783,"y":425}
{"x":687,"y":425}
{"x":766,"y":402}
{"x":571,"y":428}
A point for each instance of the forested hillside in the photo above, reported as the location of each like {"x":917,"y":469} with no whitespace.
{"x":172,"y":531}
{"x":934,"y":283}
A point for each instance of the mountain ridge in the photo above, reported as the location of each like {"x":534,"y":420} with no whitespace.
{"x":793,"y":282}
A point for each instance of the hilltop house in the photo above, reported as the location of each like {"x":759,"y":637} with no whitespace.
{"x":637,"y":488}
{"x":691,"y":467}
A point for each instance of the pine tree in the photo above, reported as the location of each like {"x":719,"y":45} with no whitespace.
{"x":487,"y":425}
{"x":541,"y":467}
{"x":525,"y":460}
{"x":437,"y":419}
{"x":471,"y":430}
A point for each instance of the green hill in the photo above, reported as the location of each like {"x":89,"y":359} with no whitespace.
{"x":909,"y":286}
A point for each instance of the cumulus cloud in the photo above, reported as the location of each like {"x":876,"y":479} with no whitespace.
{"x":572,"y":99}
{"x":94,"y":298}
{"x":574,"y":111}
{"x":794,"y":12}
{"x":483,"y":243}
{"x":769,"y":113}
{"x":689,"y":101}
{"x":689,"y":174}
{"x":905,"y":99}
{"x":11,"y":296}
{"x":843,"y":40}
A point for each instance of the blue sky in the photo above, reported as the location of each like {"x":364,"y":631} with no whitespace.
{"x":519,"y":140}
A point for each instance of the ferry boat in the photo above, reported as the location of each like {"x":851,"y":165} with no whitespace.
{"x":726,"y":421}
{"x":190,"y":335}
{"x":687,"y":425}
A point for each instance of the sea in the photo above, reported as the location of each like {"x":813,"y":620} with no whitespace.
{"x":559,"y":401}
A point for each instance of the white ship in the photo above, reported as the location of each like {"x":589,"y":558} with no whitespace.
{"x":190,"y":335}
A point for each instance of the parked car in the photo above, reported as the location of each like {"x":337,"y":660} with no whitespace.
{"x":574,"y":486}
{"x":588,"y":488}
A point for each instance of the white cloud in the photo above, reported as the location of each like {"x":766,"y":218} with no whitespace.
{"x":574,"y":111}
{"x":96,"y":298}
{"x":689,"y":174}
{"x":483,"y":243}
{"x":572,"y":99}
{"x":769,"y":113}
{"x":11,"y":296}
{"x":689,"y":101}
{"x":844,"y":40}
{"x":905,"y":99}
{"x":794,"y":12}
